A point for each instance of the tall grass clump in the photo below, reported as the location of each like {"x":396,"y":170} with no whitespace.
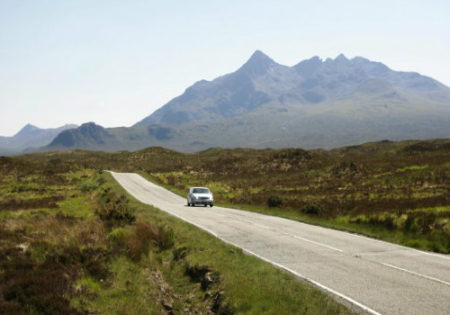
{"x":136,"y":240}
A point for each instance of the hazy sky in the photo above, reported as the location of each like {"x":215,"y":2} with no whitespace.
{"x":115,"y":62}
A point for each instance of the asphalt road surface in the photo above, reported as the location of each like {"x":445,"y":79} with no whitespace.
{"x":375,"y":277}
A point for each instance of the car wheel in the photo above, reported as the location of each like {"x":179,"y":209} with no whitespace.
{"x":189,"y":204}
{"x":211,"y":205}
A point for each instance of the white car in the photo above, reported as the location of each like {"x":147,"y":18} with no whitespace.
{"x":200,"y":196}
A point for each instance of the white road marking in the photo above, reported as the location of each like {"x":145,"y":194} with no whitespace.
{"x":298,"y":237}
{"x":349,"y":299}
{"x":314,"y":242}
{"x":416,"y":274}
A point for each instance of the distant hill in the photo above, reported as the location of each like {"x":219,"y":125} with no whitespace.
{"x":30,"y":137}
{"x":313,"y":104}
{"x":91,"y":136}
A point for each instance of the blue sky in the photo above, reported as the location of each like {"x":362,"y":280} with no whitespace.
{"x":115,"y":62}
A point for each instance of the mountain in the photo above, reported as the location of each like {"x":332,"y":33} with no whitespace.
{"x":29,"y":137}
{"x":90,"y":136}
{"x":313,"y":104}
{"x":262,"y":85}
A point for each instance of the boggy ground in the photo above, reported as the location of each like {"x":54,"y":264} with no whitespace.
{"x":72,"y":242}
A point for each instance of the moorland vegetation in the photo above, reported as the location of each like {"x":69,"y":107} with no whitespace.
{"x":73,"y":242}
{"x":396,"y":191}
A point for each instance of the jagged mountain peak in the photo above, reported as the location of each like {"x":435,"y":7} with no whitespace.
{"x":257,"y":64}
{"x":27,"y":129}
{"x":259,"y":55}
{"x":341,"y":57}
{"x":339,"y":61}
{"x":342,"y":61}
{"x":307,"y":67}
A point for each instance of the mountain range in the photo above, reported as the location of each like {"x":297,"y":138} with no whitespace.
{"x":30,"y":138}
{"x":313,"y":104}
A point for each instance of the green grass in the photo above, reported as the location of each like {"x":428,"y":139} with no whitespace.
{"x":77,"y":206}
{"x":130,"y":291}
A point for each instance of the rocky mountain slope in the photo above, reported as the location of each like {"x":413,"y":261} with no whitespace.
{"x":315,"y":103}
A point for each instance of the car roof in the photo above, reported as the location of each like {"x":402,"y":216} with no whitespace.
{"x":199,"y":187}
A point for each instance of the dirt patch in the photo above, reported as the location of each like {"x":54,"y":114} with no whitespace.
{"x":166,"y":296}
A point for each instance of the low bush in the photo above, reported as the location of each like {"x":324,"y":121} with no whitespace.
{"x":114,"y":209}
{"x":274,"y":201}
{"x":312,"y":209}
{"x":33,"y":288}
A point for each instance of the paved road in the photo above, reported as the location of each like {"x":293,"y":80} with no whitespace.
{"x":377,"y":277}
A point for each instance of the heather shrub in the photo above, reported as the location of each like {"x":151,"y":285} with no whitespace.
{"x":312,"y":209}
{"x":114,"y":209}
{"x":274,"y":201}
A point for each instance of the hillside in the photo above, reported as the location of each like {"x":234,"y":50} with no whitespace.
{"x":313,"y":104}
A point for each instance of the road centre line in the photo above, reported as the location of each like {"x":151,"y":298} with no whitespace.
{"x":416,"y":274}
{"x":314,"y":242}
{"x":298,"y":237}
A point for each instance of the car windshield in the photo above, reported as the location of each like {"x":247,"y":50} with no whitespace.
{"x":200,"y":190}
